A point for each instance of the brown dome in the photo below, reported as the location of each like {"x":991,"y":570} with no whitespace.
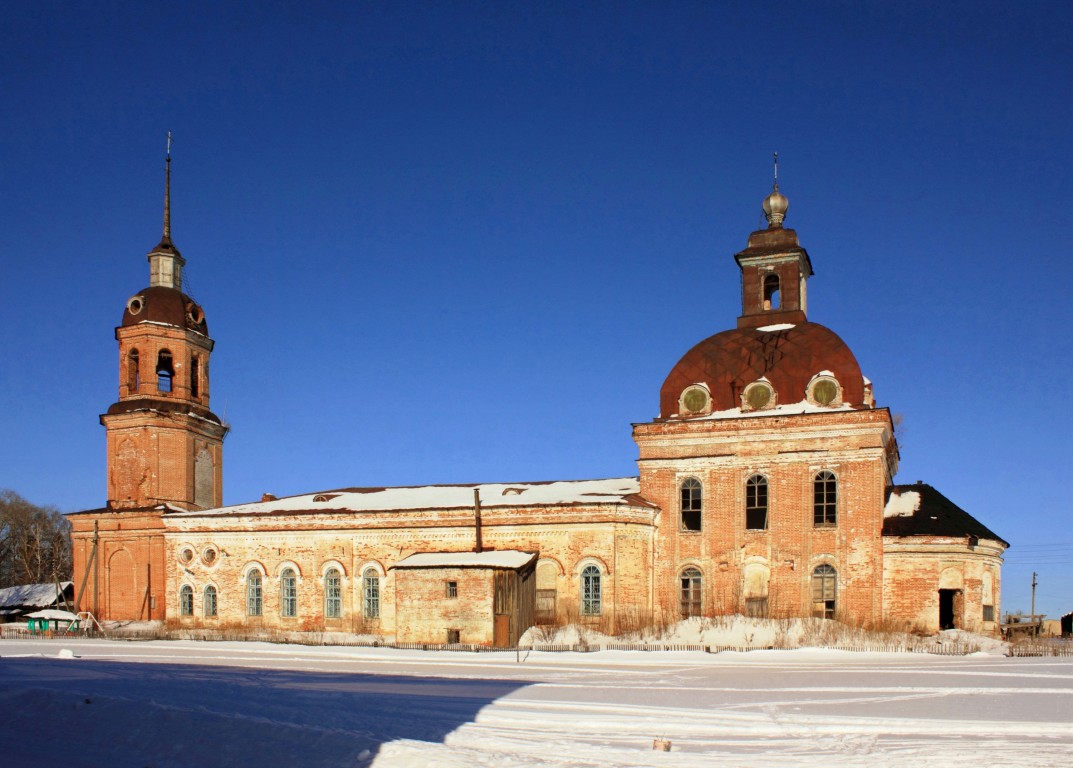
{"x":787,"y":355}
{"x":169,"y":306}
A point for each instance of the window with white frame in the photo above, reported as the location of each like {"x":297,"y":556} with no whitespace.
{"x":371,"y":593}
{"x":254,"y":595}
{"x":288,"y":593}
{"x":333,"y":594}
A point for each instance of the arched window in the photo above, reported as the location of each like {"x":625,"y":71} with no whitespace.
{"x":756,"y":503}
{"x":195,"y":374}
{"x":691,"y":504}
{"x":824,"y":499}
{"x":210,"y":600}
{"x":771,"y":291}
{"x":254,"y":598}
{"x":165,"y":370}
{"x":591,"y":604}
{"x":288,"y":593}
{"x":333,"y":594}
{"x":690,"y":594}
{"x":186,"y":600}
{"x":824,"y":589}
{"x":134,"y":379}
{"x":370,"y":590}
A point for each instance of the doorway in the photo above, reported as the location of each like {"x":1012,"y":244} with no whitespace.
{"x":949,"y":608}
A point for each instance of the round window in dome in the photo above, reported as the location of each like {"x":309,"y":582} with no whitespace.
{"x":695,"y":399}
{"x":195,"y":314}
{"x":135,"y":304}
{"x":824,"y":391}
{"x":758,"y":395}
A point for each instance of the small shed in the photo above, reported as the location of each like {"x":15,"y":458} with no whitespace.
{"x":16,"y":602}
{"x":474,"y":598}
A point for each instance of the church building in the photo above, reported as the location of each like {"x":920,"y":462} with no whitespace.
{"x":765,"y":487}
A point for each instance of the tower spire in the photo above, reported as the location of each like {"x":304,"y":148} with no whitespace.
{"x":166,"y":240}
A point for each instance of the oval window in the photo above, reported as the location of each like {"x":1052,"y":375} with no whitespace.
{"x":695,"y":399}
{"x":758,"y":396}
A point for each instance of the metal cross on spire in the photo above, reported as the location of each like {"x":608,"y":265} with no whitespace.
{"x":167,"y":194}
{"x":776,"y":168}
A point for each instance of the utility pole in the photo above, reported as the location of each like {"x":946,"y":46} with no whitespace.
{"x":1035,"y":626}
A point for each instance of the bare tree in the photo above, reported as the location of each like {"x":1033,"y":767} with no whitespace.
{"x":35,"y":542}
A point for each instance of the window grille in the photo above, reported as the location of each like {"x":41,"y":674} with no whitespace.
{"x":333,"y":594}
{"x":590,"y":591}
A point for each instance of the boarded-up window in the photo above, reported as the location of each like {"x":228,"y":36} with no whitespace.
{"x":690,"y":601}
{"x":204,"y":495}
{"x":547,"y":577}
{"x":824,"y":589}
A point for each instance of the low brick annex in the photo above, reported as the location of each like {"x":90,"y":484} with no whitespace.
{"x":765,"y":487}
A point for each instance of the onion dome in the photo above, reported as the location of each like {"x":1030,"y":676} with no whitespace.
{"x":775,"y":207}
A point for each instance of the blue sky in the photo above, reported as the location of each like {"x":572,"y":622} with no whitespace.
{"x":459,"y":242}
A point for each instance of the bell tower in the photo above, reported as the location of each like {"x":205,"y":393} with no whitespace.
{"x":164,"y":444}
{"x":774,"y":269}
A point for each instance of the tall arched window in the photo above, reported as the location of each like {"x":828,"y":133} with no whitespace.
{"x":591,"y":599}
{"x":186,"y":600}
{"x":690,"y":593}
{"x":824,"y":591}
{"x":210,"y":601}
{"x":254,"y":597}
{"x":771,"y":291}
{"x":824,"y":499}
{"x":333,"y":594}
{"x":691,"y":504}
{"x":370,"y":589}
{"x":133,"y":375}
{"x":756,"y":503}
{"x":165,"y":370}
{"x":288,"y":593}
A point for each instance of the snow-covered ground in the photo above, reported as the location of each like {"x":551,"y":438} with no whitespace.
{"x":181,"y":703}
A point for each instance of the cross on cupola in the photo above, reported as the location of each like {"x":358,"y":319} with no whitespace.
{"x":774,"y":269}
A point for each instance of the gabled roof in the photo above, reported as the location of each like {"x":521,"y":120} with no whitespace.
{"x":563,"y":493}
{"x":920,"y":510}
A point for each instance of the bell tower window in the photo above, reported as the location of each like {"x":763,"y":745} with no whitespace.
{"x":165,"y":371}
{"x":771,"y":291}
{"x":195,"y":373}
{"x":133,"y":376}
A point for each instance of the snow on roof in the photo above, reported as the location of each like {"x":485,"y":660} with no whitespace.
{"x":507,"y":558}
{"x":31,"y":595}
{"x":554,"y":493}
{"x":788,"y":409}
{"x":778,"y":327}
{"x":902,"y":504}
{"x":49,"y":613}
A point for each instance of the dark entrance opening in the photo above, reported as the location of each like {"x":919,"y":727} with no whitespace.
{"x":949,"y":602}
